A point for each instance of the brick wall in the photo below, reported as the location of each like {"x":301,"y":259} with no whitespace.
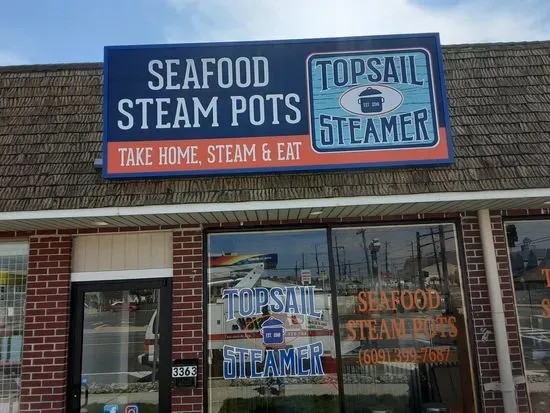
{"x":187,"y":314}
{"x":45,"y":345}
{"x":485,"y":354}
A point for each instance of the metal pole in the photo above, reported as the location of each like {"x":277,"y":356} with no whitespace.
{"x":507,"y":386}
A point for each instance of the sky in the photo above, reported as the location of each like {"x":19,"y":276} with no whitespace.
{"x":66,"y":31}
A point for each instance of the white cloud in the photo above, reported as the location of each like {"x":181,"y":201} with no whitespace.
{"x":8,"y":58}
{"x":471,"y":21}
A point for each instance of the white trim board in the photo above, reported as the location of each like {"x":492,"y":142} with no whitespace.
{"x":276,"y":205}
{"x":121,"y":275}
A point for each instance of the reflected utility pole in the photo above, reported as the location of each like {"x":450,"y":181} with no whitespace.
{"x":338,"y":257}
{"x":436,"y":258}
{"x":444,"y":266}
{"x":386,"y":249}
{"x":366,"y":251}
{"x":374,"y":247}
{"x":317,"y":260}
{"x":419,"y":262}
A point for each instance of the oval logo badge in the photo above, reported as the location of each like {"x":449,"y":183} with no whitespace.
{"x":371,"y":100}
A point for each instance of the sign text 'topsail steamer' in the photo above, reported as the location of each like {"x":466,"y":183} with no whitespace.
{"x":275,"y":106}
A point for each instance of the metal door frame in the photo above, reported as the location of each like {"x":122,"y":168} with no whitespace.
{"x":76,"y":331}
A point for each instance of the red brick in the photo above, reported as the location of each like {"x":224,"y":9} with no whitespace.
{"x":22,"y":234}
{"x":46,"y":232}
{"x":45,"y":239}
{"x":128,"y":229}
{"x":7,"y":234}
{"x":67,"y":231}
{"x":178,"y":239}
{"x":46,"y":327}
{"x":88,"y":230}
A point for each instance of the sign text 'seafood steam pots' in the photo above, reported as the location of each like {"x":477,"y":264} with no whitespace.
{"x":226,"y":108}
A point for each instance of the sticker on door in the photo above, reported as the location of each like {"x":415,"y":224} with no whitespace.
{"x":111,"y":408}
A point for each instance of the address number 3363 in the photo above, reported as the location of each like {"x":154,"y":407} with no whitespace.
{"x":184,"y":371}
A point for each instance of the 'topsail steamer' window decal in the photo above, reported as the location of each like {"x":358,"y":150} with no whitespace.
{"x":276,"y":359}
{"x":293,"y":105}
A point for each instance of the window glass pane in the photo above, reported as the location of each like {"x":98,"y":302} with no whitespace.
{"x":271,"y":344}
{"x":120,"y":351}
{"x":529,"y":248}
{"x":402,"y":320}
{"x":13,"y":287}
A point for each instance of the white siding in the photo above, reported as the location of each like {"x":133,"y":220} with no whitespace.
{"x":128,"y":251}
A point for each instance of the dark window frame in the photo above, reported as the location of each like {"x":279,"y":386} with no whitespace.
{"x":510,"y":219}
{"x":328,"y":227}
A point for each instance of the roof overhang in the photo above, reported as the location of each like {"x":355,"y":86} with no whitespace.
{"x":296,"y":209}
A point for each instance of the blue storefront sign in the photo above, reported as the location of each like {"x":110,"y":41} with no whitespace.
{"x":225,"y":108}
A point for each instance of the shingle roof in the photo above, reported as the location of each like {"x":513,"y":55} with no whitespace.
{"x":51,"y":126}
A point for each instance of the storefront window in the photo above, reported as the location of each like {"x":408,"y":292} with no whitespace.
{"x":402,"y":343}
{"x":402,"y":320}
{"x":529,"y":248}
{"x":271,"y":343}
{"x":13,"y":287}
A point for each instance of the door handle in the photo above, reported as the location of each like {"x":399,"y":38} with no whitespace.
{"x":86,"y":393}
{"x":75,"y":398}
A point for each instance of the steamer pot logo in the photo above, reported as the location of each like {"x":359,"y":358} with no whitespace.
{"x":372,"y":100}
{"x":273,"y":332}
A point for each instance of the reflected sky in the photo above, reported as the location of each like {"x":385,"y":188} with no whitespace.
{"x":308,"y":248}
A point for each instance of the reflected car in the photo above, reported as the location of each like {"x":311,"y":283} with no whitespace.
{"x":151,"y":335}
{"x":119,"y":305}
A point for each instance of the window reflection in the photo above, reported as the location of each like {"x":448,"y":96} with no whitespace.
{"x":529,"y":248}
{"x":402,"y":323}
{"x":271,"y":344}
{"x":120,"y":350}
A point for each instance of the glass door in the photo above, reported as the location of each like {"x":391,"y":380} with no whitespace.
{"x":119,"y":349}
